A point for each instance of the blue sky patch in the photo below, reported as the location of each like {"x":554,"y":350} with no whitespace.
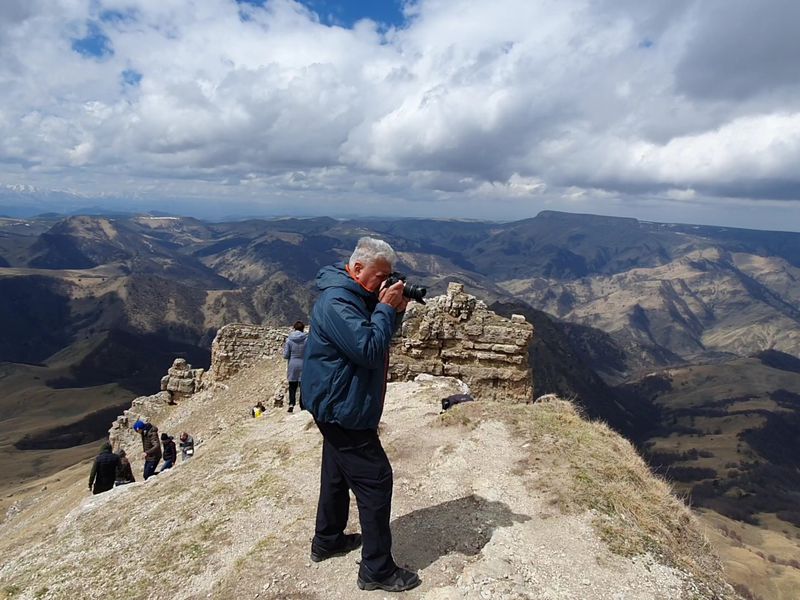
{"x":118,"y":16}
{"x":95,"y":44}
{"x":131,"y":77}
{"x":345,"y":13}
{"x":646,"y":43}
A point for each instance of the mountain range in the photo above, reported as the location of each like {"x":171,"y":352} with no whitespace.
{"x":678,"y":336}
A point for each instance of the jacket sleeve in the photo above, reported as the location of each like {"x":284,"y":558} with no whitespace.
{"x":287,"y":350}
{"x":363,"y":341}
{"x":155,"y":449}
{"x":93,"y":474}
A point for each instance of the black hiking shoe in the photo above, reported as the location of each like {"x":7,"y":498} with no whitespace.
{"x":351,"y":542}
{"x":399,"y":581}
{"x":291,"y":408}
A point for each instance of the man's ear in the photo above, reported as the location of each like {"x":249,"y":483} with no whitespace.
{"x":357,"y":268}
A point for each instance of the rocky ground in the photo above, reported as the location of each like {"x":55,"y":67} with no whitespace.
{"x":474,"y":511}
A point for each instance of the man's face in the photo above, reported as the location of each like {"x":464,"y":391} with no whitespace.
{"x":372,"y":275}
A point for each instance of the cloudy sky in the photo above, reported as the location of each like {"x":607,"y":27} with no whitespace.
{"x":686,"y":111}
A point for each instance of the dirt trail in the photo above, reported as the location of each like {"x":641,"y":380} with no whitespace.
{"x":236,"y":520}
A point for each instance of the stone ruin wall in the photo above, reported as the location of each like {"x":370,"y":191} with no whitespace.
{"x":457,"y":335}
{"x":181,"y":381}
{"x":238,"y":346}
{"x":147,"y":408}
{"x":454,"y":335}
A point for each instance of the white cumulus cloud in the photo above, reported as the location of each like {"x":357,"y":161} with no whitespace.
{"x":524,"y":102}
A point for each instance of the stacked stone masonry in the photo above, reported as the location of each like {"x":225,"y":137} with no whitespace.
{"x":146,"y":408}
{"x":457,"y":335}
{"x":238,"y":346}
{"x":454,"y":335}
{"x":181,"y":380}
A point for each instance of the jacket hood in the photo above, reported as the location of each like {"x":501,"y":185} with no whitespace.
{"x":298,"y":336}
{"x":335,"y":276}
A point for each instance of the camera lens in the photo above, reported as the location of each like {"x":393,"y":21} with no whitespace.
{"x":415,"y":292}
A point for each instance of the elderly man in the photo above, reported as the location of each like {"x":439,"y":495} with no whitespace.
{"x":343,"y":386}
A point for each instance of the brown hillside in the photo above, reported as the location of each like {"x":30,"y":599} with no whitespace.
{"x":491,"y":500}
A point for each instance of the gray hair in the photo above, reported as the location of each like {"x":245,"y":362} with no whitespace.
{"x":369,"y":250}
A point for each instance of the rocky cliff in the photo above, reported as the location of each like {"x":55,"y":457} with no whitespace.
{"x":492,"y":499}
{"x":457,"y":335}
{"x":454,"y":334}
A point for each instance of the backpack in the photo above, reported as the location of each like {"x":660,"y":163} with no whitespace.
{"x":455,"y":399}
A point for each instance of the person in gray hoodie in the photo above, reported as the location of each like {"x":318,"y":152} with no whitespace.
{"x":293,"y":351}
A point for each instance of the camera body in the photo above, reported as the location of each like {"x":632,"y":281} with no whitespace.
{"x":410,"y":290}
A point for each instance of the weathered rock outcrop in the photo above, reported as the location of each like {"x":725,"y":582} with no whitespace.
{"x":454,"y":334}
{"x":181,"y":380}
{"x":178,"y":385}
{"x":237,"y":346}
{"x":147,"y":408}
{"x":457,"y":335}
{"x":475,"y":509}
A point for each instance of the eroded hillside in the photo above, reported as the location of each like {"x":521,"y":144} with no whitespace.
{"x":490,"y":500}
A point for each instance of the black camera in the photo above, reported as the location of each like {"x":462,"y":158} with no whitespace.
{"x":414,"y":292}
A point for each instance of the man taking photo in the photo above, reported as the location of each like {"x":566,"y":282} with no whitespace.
{"x":343,"y":387}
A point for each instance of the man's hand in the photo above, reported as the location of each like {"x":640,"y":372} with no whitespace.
{"x":403,"y":305}
{"x":393,"y":296}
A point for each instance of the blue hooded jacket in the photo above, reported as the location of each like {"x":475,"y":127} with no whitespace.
{"x":347,"y":352}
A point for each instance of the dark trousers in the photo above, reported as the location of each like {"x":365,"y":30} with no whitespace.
{"x":355,"y":460}
{"x":102,"y":486}
{"x":293,"y":385}
{"x":150,"y":467}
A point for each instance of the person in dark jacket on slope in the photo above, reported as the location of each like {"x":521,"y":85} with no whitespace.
{"x":104,"y":470}
{"x":170,"y":451}
{"x":124,"y":471}
{"x":293,"y":351}
{"x":151,"y":446}
{"x":343,"y":387}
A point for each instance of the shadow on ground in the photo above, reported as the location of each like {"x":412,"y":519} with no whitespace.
{"x":462,"y":526}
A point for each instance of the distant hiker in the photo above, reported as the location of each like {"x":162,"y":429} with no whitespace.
{"x":170,"y":452}
{"x":343,"y":386}
{"x":187,"y":446}
{"x":104,"y":470}
{"x":151,"y":446}
{"x":293,"y":351}
{"x":124,"y":471}
{"x":258,"y":410}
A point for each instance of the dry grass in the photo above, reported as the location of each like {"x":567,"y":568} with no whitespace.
{"x":9,"y":591}
{"x":585,"y":465}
